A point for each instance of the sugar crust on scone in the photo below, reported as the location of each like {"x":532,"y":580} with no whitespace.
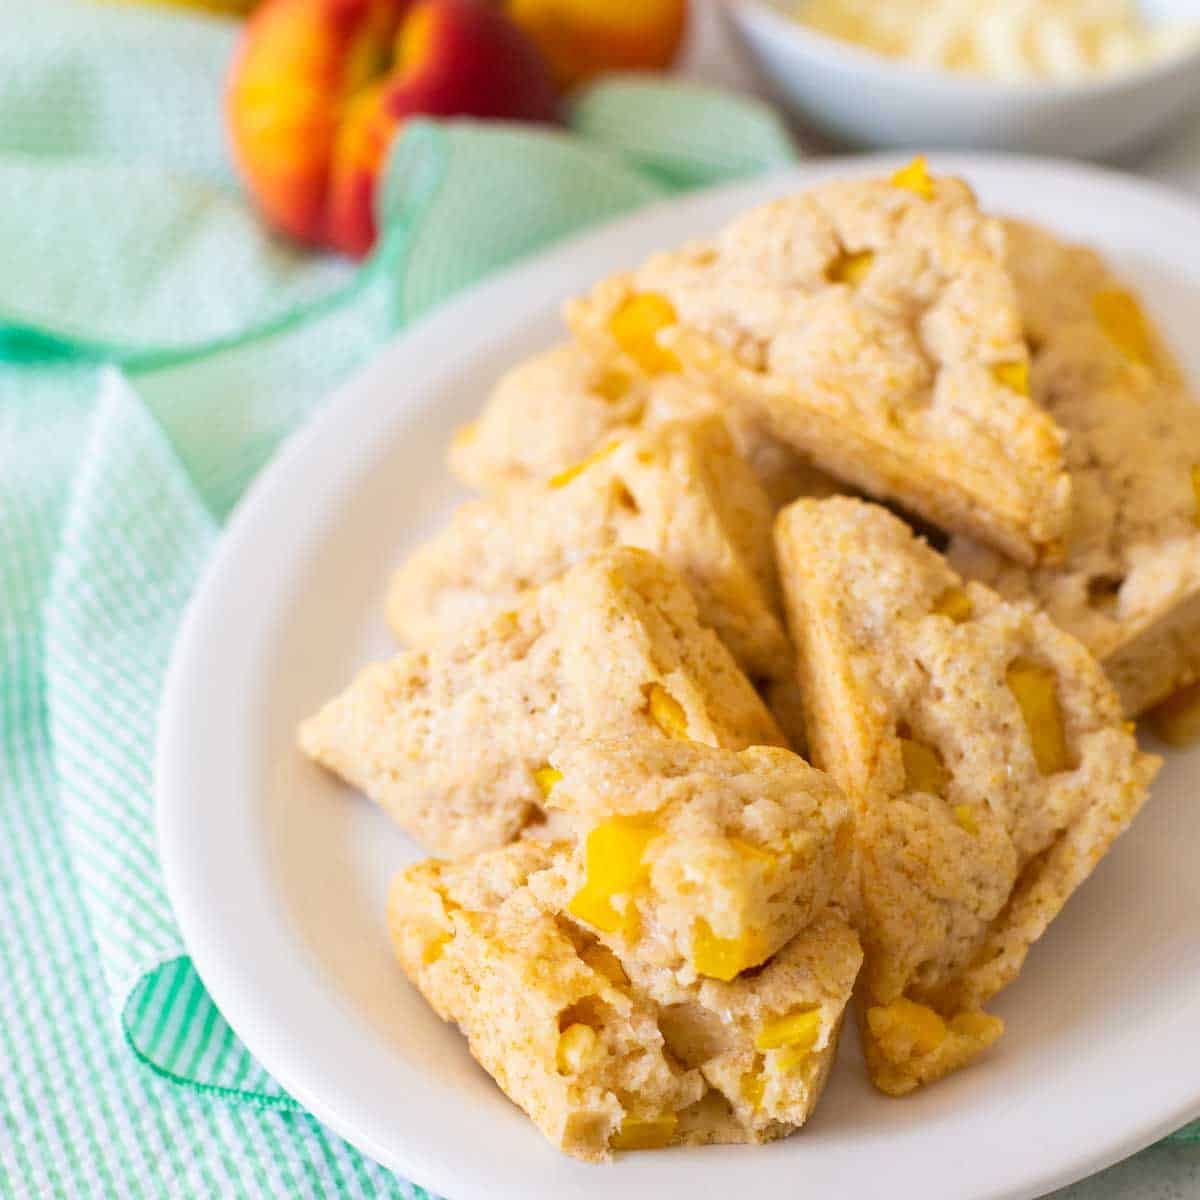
{"x":697,"y":860}
{"x":449,"y":739}
{"x":601,"y":1057}
{"x":1129,"y":587}
{"x":876,"y":330}
{"x":678,"y":490}
{"x":966,"y":849}
{"x":558,"y":407}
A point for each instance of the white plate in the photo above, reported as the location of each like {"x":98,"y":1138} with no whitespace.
{"x":278,"y":875}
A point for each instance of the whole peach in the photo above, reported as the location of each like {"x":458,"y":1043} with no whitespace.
{"x":581,"y":38}
{"x":318,"y":88}
{"x":228,"y":8}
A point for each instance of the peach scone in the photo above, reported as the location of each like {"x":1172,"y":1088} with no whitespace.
{"x":986,"y":758}
{"x":561,"y":406}
{"x":696,"y":860}
{"x":453,"y":741}
{"x":1129,"y":587}
{"x":603,"y":1057}
{"x":679,"y":491}
{"x":873,"y":326}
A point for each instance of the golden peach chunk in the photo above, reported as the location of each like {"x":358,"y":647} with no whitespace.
{"x":1177,"y":719}
{"x":467,"y":434}
{"x":1196,"y":493}
{"x":635,"y":327}
{"x":564,"y":477}
{"x":432,"y":949}
{"x":955,"y":604}
{"x":924,"y":770}
{"x":850,"y":268}
{"x":752,"y":852}
{"x":612,"y":385}
{"x":645,"y":1133}
{"x":666,"y":712}
{"x":976,"y":1025}
{"x":905,"y":1028}
{"x":725,"y":958}
{"x":546,"y":778}
{"x":1035,"y":689}
{"x":964,"y":816}
{"x":752,"y":1085}
{"x":613,"y":858}
{"x":915,"y":178}
{"x":798,"y":1028}
{"x":790,"y":1057}
{"x":1012,"y":375}
{"x":576,"y":1048}
{"x":1120,"y":316}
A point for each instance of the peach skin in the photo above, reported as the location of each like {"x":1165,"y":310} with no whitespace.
{"x":581,"y":38}
{"x":319,"y":87}
{"x":229,"y":8}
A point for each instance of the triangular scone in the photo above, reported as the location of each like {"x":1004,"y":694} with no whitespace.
{"x":559,"y":407}
{"x":698,"y":860}
{"x":1129,"y":587}
{"x":601,"y":1058}
{"x":453,"y":741}
{"x":874,"y":326}
{"x":987,"y":760}
{"x":678,"y":490}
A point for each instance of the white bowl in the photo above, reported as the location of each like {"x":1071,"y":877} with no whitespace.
{"x":860,"y":97}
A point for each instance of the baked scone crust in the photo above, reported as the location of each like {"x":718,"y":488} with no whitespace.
{"x":678,"y":490}
{"x":560,"y":406}
{"x":664,"y":1063}
{"x":903,"y":377}
{"x":738,"y":850}
{"x":1129,"y":587}
{"x":448,"y":739}
{"x":956,"y":879}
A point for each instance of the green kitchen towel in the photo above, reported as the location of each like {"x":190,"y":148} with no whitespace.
{"x":156,"y":344}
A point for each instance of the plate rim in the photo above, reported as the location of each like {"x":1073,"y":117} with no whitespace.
{"x":278,"y":480}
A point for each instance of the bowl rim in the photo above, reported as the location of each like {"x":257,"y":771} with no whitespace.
{"x":768,"y":15}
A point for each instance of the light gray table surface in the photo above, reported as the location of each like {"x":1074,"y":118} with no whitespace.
{"x":1165,"y":1171}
